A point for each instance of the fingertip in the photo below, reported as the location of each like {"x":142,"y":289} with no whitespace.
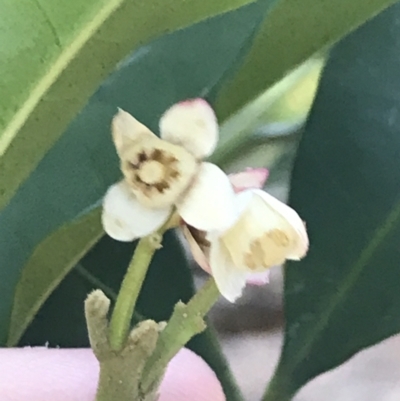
{"x":42,"y":374}
{"x":188,"y":377}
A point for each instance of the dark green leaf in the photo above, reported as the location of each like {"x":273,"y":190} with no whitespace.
{"x":77,"y":171}
{"x":345,"y":295}
{"x":294,"y":31}
{"x":47,"y":268}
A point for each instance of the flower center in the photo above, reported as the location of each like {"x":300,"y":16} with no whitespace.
{"x":151,"y":172}
{"x":157,"y":172}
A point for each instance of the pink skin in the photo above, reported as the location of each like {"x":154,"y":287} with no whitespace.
{"x":250,"y":178}
{"x":41,"y":374}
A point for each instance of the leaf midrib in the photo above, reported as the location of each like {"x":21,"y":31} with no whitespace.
{"x":68,"y":54}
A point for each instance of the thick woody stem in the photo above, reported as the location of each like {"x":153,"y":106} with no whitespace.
{"x":120,"y":371}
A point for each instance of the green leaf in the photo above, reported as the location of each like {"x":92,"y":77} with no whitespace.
{"x":72,"y":241}
{"x":294,"y":31}
{"x":289,"y":100}
{"x":77,"y":171}
{"x":345,"y":295}
{"x":61,"y":321}
{"x":55,"y":54}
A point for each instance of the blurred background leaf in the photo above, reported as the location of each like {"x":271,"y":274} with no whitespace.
{"x":294,"y":31}
{"x":344,"y":295}
{"x":54,"y":56}
{"x":49,"y":264}
{"x":257,"y":134}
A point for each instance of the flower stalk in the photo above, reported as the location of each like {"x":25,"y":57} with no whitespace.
{"x":130,"y":289}
{"x":132,"y":283}
{"x":187,"y":320}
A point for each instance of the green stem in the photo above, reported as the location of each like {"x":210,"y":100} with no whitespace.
{"x":121,"y":317}
{"x":186,"y":321}
{"x":132,"y":283}
{"x":278,"y":389}
{"x":204,"y":299}
{"x":108,"y":291}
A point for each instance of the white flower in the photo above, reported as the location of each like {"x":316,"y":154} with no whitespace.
{"x":251,"y":178}
{"x":165,"y":173}
{"x":157,"y":172}
{"x":266,"y":234}
{"x":235,"y":233}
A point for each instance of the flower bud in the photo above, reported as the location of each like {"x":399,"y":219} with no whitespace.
{"x":193,"y":125}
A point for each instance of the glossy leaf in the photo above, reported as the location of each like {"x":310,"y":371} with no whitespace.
{"x":55,"y":256}
{"x":54,"y":55}
{"x":345,"y":295}
{"x":76,"y":173}
{"x":294,"y":31}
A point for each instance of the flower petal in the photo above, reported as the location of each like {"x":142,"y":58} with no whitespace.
{"x":195,"y":249}
{"x":258,"y":278}
{"x":201,"y":256}
{"x":191,"y":124}
{"x":301,"y":245}
{"x":126,"y":130}
{"x":230,"y":280}
{"x":209,"y":204}
{"x":266,"y":234}
{"x":125,"y":219}
{"x":250,"y":178}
